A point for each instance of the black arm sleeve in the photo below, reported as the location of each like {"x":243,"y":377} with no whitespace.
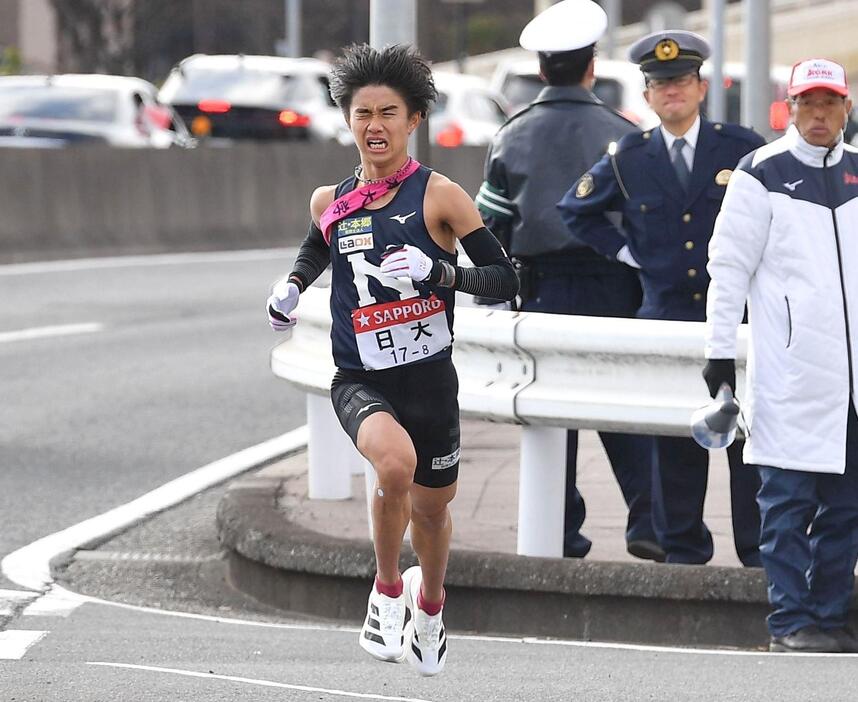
{"x":493,"y":275}
{"x":313,"y":258}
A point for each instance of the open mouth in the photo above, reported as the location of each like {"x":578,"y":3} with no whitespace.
{"x":376,"y":144}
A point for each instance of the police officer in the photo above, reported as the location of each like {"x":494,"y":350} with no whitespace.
{"x":531,"y":163}
{"x":668,"y":184}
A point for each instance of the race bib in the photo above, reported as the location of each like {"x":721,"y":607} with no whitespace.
{"x":397,"y":333}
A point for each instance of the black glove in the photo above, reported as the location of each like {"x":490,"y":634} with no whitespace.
{"x":719,"y":371}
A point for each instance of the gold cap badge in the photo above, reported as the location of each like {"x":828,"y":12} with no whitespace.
{"x":585,"y":186}
{"x":666,"y":50}
{"x":722,"y":177}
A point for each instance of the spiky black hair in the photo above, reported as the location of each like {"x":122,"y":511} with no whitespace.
{"x":399,"y":67}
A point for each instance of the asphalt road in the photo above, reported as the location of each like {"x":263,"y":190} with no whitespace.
{"x":174,"y":376}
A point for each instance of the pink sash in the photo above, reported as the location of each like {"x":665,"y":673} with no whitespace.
{"x":360,"y":197}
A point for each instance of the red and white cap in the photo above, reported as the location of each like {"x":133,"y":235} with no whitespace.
{"x":817,"y":73}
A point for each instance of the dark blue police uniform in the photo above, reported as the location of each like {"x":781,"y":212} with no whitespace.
{"x":532,"y":160}
{"x":667,"y":228}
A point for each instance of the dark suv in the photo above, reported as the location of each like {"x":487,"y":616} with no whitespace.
{"x":255,"y":97}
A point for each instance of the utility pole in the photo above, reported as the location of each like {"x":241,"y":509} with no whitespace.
{"x":293,"y":28}
{"x":395,"y":22}
{"x":756,"y":88}
{"x":717,"y":100}
{"x":613,"y":9}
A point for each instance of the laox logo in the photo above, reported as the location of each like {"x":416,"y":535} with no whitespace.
{"x":850,"y":179}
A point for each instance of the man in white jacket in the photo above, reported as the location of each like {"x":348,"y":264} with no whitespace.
{"x":786,"y":240}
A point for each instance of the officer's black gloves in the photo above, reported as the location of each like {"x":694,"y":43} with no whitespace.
{"x":719,"y":371}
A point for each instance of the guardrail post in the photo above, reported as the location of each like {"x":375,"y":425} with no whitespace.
{"x":330,"y":454}
{"x":541,"y":491}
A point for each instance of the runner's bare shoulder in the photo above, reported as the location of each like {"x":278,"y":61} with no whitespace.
{"x":321,"y":198}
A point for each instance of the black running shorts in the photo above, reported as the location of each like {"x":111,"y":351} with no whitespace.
{"x":422,"y":397}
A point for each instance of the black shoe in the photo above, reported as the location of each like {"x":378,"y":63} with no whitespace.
{"x":845,"y":638}
{"x":808,"y":639}
{"x":645,"y":549}
{"x":576,"y":547}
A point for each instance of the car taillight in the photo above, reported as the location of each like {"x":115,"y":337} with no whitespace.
{"x":290,"y":118}
{"x":778,"y":116}
{"x":451,"y":136}
{"x":217,"y":107}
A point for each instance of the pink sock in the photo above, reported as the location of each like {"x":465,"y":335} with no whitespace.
{"x":389,"y":590}
{"x":431,"y":608}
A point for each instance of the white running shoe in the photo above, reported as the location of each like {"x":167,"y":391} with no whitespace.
{"x":425,"y":636}
{"x":382,"y":634}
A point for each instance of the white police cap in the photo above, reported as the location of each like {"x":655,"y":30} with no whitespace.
{"x":565,"y":26}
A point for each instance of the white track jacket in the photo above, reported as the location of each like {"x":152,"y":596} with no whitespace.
{"x":786,"y":240}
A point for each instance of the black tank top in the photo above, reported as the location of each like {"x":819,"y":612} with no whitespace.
{"x":382,"y":322}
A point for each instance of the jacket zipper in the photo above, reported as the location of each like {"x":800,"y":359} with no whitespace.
{"x":789,"y":322}
{"x":839,"y":266}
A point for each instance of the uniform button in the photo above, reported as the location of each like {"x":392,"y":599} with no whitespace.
{"x":686,"y":217}
{"x":697,"y":297}
{"x":643,"y":208}
{"x":692,"y":272}
{"x":689,"y":245}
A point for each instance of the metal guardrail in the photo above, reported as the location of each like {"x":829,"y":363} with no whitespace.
{"x":545,"y":372}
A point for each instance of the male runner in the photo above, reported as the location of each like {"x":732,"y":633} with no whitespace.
{"x":390,"y":234}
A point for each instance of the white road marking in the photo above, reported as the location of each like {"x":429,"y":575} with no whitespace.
{"x":11,"y":599}
{"x":56,"y":603}
{"x":30,"y":566}
{"x":45,"y":332}
{"x":254,"y":681}
{"x":86,"y":264}
{"x":15,"y":642}
{"x":527,"y":640}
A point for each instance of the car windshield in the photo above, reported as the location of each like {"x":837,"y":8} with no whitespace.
{"x":241,"y":86}
{"x":58,"y":102}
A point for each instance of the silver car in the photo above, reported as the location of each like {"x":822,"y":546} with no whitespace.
{"x":47,"y":111}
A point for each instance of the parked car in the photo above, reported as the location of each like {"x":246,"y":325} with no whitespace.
{"x":255,"y":97}
{"x":48,"y":111}
{"x":467,"y":112}
{"x":619,"y":84}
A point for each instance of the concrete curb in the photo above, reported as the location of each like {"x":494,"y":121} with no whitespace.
{"x":293,"y":568}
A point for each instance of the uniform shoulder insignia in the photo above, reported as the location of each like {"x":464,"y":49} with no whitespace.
{"x":632,"y":139}
{"x":585,"y":186}
{"x":736,"y":131}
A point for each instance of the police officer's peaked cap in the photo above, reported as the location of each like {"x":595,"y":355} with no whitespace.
{"x":670,"y":53}
{"x":566,"y":26}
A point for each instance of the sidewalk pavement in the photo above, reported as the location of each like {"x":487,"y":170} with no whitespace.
{"x":485,"y":511}
{"x":315,"y":557}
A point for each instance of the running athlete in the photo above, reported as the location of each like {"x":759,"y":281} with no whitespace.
{"x":389,"y":233}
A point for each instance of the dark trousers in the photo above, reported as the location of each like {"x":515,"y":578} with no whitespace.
{"x":680,"y":476}
{"x":628,"y":455}
{"x":584,"y":283}
{"x":809,"y":541}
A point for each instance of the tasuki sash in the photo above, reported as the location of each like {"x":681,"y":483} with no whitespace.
{"x":360,"y":197}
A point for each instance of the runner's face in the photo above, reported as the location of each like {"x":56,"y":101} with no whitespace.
{"x":381,"y":125}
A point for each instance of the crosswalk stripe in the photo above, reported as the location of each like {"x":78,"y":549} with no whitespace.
{"x":15,"y":642}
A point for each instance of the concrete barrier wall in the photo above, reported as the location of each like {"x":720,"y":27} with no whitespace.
{"x":100,"y":201}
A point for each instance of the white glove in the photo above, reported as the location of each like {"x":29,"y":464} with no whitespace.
{"x":625,"y":256}
{"x":406,"y":262}
{"x":283,"y":299}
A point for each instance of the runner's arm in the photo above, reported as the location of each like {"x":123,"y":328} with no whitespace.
{"x":492,"y":275}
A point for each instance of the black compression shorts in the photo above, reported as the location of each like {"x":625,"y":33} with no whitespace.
{"x":422,"y":397}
